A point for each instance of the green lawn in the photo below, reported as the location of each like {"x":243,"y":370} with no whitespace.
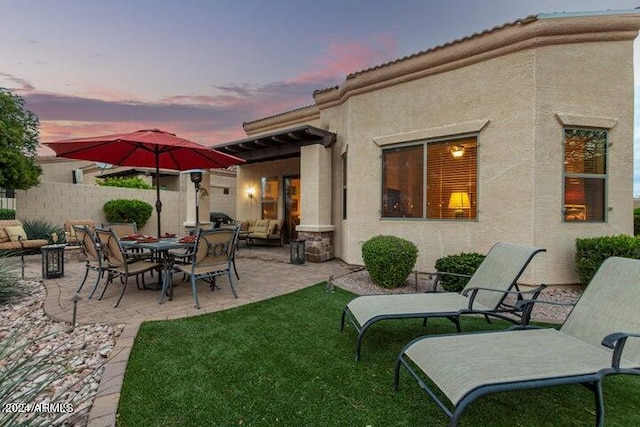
{"x":285,"y":362}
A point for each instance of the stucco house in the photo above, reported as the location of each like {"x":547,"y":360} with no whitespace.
{"x":520,"y":133}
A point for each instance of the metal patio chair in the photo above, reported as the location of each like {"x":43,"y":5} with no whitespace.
{"x":485,"y":294}
{"x":94,"y":258}
{"x":118,"y":263}
{"x":592,"y":343}
{"x":213,"y":257}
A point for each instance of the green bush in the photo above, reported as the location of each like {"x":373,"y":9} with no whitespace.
{"x":463,"y":263}
{"x":41,"y":229}
{"x":125,"y":182}
{"x":7,"y":214}
{"x":591,"y":252}
{"x":389,"y":260}
{"x":124,"y":210}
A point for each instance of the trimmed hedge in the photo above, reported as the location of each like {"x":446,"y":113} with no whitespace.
{"x":389,"y":260}
{"x":462,"y":263}
{"x":125,"y":182}
{"x":7,"y":214}
{"x":591,"y":253}
{"x":124,"y":210}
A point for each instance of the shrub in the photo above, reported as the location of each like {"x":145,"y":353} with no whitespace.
{"x":10,"y":286}
{"x":462,"y":263}
{"x":123,"y":210}
{"x":591,"y":252}
{"x":125,"y":182}
{"x":389,"y":260}
{"x":7,"y":214}
{"x":41,"y":229}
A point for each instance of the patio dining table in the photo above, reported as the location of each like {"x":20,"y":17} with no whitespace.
{"x":162,"y":248}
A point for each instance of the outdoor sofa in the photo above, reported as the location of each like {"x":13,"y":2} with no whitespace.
{"x":14,"y":238}
{"x":266,"y":230}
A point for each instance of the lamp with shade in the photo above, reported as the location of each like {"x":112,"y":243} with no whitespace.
{"x":459,"y":201}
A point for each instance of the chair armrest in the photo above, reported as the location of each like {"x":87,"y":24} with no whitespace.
{"x":21,"y":242}
{"x":534,"y":295}
{"x":616,"y":341}
{"x":526,"y":306}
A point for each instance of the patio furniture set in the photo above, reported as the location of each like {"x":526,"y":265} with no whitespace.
{"x":13,"y":238}
{"x":118,"y":251}
{"x":600,"y":337}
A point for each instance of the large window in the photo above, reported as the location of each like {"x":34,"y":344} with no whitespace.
{"x":433,"y":179}
{"x":585,"y":174}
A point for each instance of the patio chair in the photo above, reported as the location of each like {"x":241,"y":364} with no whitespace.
{"x":213,"y":257}
{"x":94,"y":259}
{"x":123,"y":229}
{"x":589,"y":346}
{"x":485,"y":294}
{"x":119,"y":265}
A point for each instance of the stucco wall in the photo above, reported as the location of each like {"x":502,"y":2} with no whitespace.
{"x":59,"y":202}
{"x":516,"y":85}
{"x":500,"y":91}
{"x":592,"y":83}
{"x":520,"y":157}
{"x":249,"y":175}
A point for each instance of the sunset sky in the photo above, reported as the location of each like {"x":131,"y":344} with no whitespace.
{"x":200,"y":68}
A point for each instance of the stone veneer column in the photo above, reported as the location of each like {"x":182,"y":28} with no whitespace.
{"x":315,"y":222}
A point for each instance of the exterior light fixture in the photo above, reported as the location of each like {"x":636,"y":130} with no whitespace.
{"x":250,"y":192}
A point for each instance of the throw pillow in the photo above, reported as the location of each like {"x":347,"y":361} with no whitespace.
{"x":14,"y":231}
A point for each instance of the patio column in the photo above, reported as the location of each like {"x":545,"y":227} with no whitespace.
{"x":315,"y":222}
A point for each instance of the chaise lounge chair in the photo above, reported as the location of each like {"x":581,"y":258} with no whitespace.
{"x":589,"y":346}
{"x":484,"y":294}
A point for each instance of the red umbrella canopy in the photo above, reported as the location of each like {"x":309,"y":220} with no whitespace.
{"x":151,"y":148}
{"x":144,"y":148}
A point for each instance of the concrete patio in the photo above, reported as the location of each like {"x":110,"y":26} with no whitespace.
{"x":265,"y":272}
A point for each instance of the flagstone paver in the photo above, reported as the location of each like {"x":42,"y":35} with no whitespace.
{"x":264,"y":273}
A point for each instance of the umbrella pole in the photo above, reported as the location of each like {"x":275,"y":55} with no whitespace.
{"x":158,"y":202}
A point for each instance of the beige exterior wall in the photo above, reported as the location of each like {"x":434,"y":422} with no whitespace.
{"x":221,"y":180}
{"x":514,"y":86}
{"x":177,"y":199}
{"x":250,"y":175}
{"x":58,"y":202}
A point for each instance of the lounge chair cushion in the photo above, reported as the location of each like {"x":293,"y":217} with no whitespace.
{"x":4,"y":237}
{"x":15,"y":232}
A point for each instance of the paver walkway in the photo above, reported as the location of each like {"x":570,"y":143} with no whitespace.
{"x":264,"y":273}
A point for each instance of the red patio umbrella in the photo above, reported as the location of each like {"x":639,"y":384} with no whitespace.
{"x":151,"y":148}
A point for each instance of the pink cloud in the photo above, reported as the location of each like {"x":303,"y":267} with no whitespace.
{"x":203,"y":118}
{"x":341,"y":59}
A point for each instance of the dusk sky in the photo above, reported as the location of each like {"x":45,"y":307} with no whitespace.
{"x":200,"y":68}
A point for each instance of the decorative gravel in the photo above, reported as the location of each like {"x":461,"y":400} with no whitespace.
{"x":70,"y":362}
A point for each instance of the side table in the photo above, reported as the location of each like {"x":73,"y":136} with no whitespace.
{"x":52,"y":261}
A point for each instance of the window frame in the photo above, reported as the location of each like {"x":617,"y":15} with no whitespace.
{"x":604,"y":177}
{"x":424,"y":143}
